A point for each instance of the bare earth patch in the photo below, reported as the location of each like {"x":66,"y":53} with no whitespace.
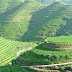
{"x":54,"y":46}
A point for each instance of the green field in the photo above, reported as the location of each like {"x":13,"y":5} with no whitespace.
{"x":60,"y":40}
{"x":9,"y":49}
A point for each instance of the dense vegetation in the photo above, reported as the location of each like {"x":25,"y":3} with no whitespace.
{"x":43,"y":56}
{"x":17,"y":68}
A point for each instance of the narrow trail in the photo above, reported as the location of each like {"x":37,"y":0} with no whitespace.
{"x":49,"y":65}
{"x":22,"y":51}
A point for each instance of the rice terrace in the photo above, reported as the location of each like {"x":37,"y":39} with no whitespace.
{"x":35,"y":36}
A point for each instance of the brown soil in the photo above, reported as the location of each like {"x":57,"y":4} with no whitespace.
{"x":44,"y":70}
{"x":54,"y":46}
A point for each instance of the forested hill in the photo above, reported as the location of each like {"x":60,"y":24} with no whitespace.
{"x":33,"y":21}
{"x":54,"y":20}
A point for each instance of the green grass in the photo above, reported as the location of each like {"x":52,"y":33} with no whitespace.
{"x":9,"y":49}
{"x":60,"y":40}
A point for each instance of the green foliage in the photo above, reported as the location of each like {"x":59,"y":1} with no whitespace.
{"x":62,"y":68}
{"x":4,"y":68}
{"x":60,"y":40}
{"x":16,"y":68}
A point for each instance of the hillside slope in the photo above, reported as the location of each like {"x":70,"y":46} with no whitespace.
{"x":32,"y":21}
{"x":9,"y":4}
{"x":14,"y":22}
{"x":54,"y":20}
{"x":9,"y":49}
{"x":46,"y":22}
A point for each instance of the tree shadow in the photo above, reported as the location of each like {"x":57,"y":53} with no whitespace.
{"x":39,"y":19}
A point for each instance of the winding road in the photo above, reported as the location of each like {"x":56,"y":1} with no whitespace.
{"x":42,"y":65}
{"x":49,"y":65}
{"x":22,"y":51}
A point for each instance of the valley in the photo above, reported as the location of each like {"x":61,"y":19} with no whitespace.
{"x":35,"y":33}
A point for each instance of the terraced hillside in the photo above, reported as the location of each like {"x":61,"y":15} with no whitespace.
{"x":59,"y":42}
{"x":9,"y":49}
{"x":23,"y":22}
{"x":42,"y":55}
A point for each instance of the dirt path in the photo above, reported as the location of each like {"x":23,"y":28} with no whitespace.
{"x":49,"y":65}
{"x":22,"y":51}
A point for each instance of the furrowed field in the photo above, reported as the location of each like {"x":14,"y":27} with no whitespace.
{"x":9,"y":49}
